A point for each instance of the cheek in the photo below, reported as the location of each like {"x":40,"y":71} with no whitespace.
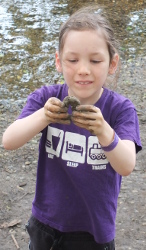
{"x":68,"y":70}
{"x":101,"y":72}
{"x":67,"y":74}
{"x":104,"y":68}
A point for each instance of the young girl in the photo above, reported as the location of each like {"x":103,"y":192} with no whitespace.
{"x":83,"y":153}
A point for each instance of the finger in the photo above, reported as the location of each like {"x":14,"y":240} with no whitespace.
{"x":87,"y":112}
{"x":55,"y":101}
{"x":87,"y":127}
{"x":92,"y":114}
{"x":61,"y":121}
{"x":84,"y":116}
{"x":55,"y":115}
{"x":55,"y":109}
{"x":81,"y":125}
{"x":87,"y":108}
{"x":82,"y":121}
{"x":89,"y":124}
{"x":63,"y":110}
{"x":54,"y":106}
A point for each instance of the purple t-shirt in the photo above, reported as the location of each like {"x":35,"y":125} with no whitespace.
{"x":76,"y":188}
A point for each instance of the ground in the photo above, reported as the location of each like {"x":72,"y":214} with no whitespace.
{"x":18,"y":176}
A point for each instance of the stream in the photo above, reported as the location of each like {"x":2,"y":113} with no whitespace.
{"x":29,"y":38}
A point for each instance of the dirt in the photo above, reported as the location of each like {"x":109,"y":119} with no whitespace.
{"x":71,"y":101}
{"x":18,"y":177}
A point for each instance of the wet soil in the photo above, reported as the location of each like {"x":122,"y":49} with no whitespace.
{"x":18,"y":176}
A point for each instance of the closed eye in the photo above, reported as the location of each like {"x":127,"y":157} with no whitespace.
{"x":73,"y":60}
{"x":95,"y":61}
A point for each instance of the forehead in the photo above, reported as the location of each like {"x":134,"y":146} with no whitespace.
{"x":84,"y":41}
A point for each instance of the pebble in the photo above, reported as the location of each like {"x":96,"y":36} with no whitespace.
{"x":23,"y":234}
{"x":12,"y":231}
{"x":7,"y":178}
{"x":27,"y":163}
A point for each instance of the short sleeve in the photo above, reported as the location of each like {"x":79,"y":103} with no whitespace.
{"x":127,"y":126}
{"x":37,"y":99}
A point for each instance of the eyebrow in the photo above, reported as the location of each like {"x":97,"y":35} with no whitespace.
{"x":74,"y":53}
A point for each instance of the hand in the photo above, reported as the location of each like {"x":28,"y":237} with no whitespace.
{"x":55,"y":112}
{"x":90,"y":118}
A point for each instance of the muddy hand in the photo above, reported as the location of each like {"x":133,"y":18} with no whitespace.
{"x":55,"y":111}
{"x":88,"y":117}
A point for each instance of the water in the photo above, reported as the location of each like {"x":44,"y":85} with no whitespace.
{"x":29,"y":38}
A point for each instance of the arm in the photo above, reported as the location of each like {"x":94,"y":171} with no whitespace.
{"x":23,"y":130}
{"x":123,"y":157}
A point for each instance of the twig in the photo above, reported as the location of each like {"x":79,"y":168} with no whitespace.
{"x":15,"y":241}
{"x":19,"y":198}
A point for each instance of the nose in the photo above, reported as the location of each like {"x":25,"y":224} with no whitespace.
{"x":83,"y":68}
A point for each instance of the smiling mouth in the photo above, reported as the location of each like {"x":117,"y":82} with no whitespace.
{"x":84,"y":83}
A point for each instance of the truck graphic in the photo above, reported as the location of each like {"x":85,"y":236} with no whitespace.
{"x":95,"y":153}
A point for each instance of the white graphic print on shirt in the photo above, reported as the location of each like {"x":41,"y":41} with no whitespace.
{"x":95,"y":154}
{"x":74,"y":147}
{"x":54,"y":141}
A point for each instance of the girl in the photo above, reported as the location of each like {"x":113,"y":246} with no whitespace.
{"x":84,"y":153}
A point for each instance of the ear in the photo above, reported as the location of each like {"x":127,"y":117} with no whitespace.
{"x":57,"y":62}
{"x":113,"y":64}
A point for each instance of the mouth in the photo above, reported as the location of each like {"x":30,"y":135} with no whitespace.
{"x":84,"y":82}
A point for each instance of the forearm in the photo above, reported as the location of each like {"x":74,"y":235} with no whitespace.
{"x":23,"y":130}
{"x":123,"y":157}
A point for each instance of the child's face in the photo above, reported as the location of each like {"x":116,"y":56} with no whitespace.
{"x":85,"y":64}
